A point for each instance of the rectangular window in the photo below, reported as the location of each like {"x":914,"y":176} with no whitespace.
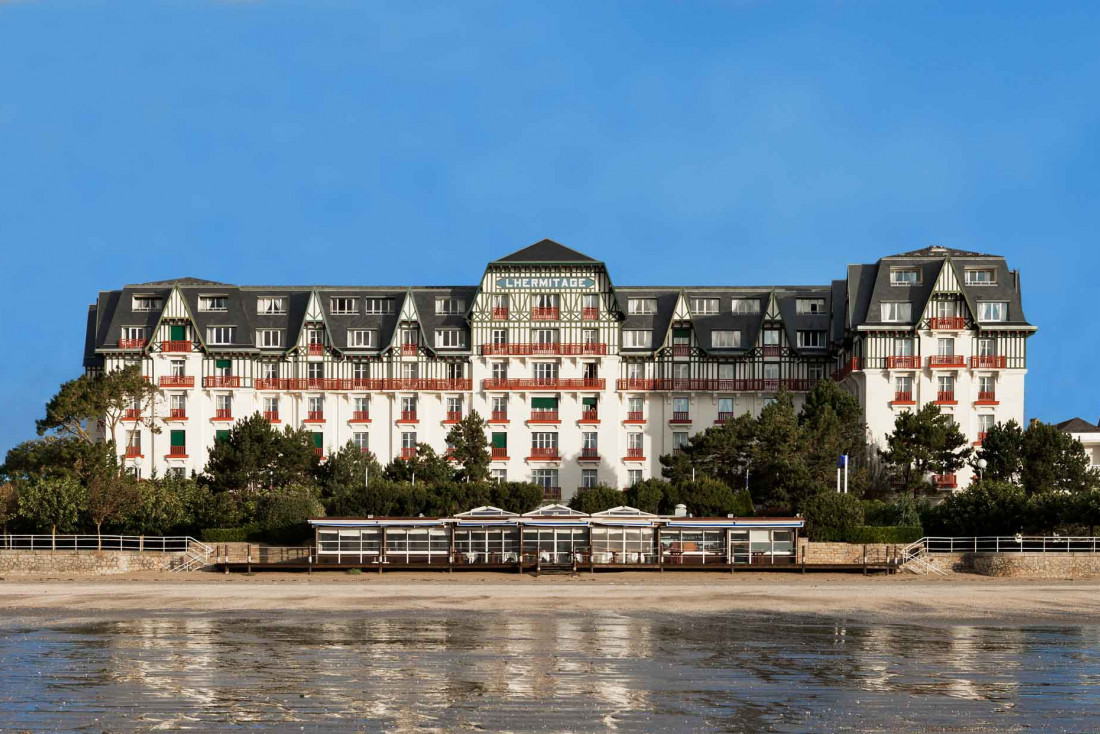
{"x":408,"y":440}
{"x":178,"y":402}
{"x":634,"y":405}
{"x":547,"y":300}
{"x":498,"y":475}
{"x":223,"y":367}
{"x":499,"y":337}
{"x":746,"y":305}
{"x":810,"y":305}
{"x":544,"y":440}
{"x":133,"y":333}
{"x":771,"y":337}
{"x":444,"y":306}
{"x":945,"y":347}
{"x":725,"y":406}
{"x":985,"y":348}
{"x":499,"y":440}
{"x":271,"y":305}
{"x":316,"y":404}
{"x":178,"y":368}
{"x":499,"y":302}
{"x":905,"y":276}
{"x":362,"y":440}
{"x":946,"y":384}
{"x":703,"y":306}
{"x":725,"y":339}
{"x":361,"y":404}
{"x":271,"y":406}
{"x":500,"y":405}
{"x":588,"y":441}
{"x":637,"y":339}
{"x":811,"y":339}
{"x":213,"y":303}
{"x":362,"y":338}
{"x":633,"y":476}
{"x":681,"y":371}
{"x":315,"y":370}
{"x":946,"y":308}
{"x":408,"y":404}
{"x":221,"y":334}
{"x":981,"y":276}
{"x":725,"y":371}
{"x":224,"y":403}
{"x":816,"y":372}
{"x":454,"y":405}
{"x":500,"y":370}
{"x":178,"y":438}
{"x":545,"y":478}
{"x":378,"y":305}
{"x":147,"y":303}
{"x":985,"y":422}
{"x":897,"y":312}
{"x":641,"y":305}
{"x":679,"y":440}
{"x":986,"y":384}
{"x":546,"y":336}
{"x":344,"y":306}
{"x":679,"y":405}
{"x":771,"y":372}
{"x":634,"y":440}
{"x":269,"y":370}
{"x":315,"y":336}
{"x":546,"y":370}
{"x":360,"y":370}
{"x":634,"y":370}
{"x":590,"y":336}
{"x":904,"y":384}
{"x":903,"y":347}
{"x":588,"y":478}
{"x":992,"y":311}
{"x":269,"y":338}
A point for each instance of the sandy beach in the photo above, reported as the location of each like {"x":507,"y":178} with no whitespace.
{"x":905,"y":597}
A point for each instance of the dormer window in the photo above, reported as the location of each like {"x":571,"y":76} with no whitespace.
{"x":746,"y":305}
{"x":811,"y":339}
{"x":899,"y":312}
{"x":637,"y":339}
{"x":811,"y":305}
{"x":450,"y":338}
{"x":641,"y":306}
{"x":725,"y":339}
{"x":378,"y":305}
{"x":362,"y":338}
{"x":981,"y":276}
{"x":213,"y":303}
{"x":450,"y":306}
{"x":905,"y":276}
{"x":704,"y":306}
{"x":271,"y":306}
{"x":220,"y":335}
{"x":269,"y":338}
{"x":992,"y":311}
{"x":344,"y":306}
{"x":148,"y":303}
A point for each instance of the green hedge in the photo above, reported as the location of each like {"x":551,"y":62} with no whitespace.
{"x":243,"y":534}
{"x":895,"y":534}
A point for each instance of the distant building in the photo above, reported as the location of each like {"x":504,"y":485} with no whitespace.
{"x":581,"y":381}
{"x":1087,"y":434}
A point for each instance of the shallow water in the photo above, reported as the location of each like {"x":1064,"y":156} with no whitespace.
{"x":568,"y":672}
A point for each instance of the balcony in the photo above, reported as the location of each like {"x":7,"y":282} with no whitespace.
{"x":849,"y":367}
{"x":946,"y":397}
{"x":363,"y":383}
{"x":360,"y":416}
{"x":499,"y":416}
{"x":315,"y":416}
{"x":547,"y":349}
{"x":724,"y":416}
{"x":772,"y":350}
{"x":316,"y":350}
{"x":544,"y":416}
{"x":590,"y":416}
{"x":131,"y":344}
{"x":177,"y":414}
{"x":133,"y":452}
{"x":222,"y":381}
{"x":176,"y":381}
{"x":903,"y":397}
{"x":680,"y":416}
{"x":981,"y":438}
{"x":131,"y":414}
{"x":646,"y":384}
{"x":272,"y":416}
{"x":223,"y":414}
{"x":177,"y":452}
{"x":500,"y":313}
{"x":589,"y":454}
{"x":551,"y":493}
{"x":545,"y":314}
{"x":946,"y":361}
{"x":635,"y":454}
{"x":988,"y":362}
{"x":408,"y":453}
{"x":176,"y":345}
{"x":407,"y":416}
{"x":453,"y":416}
{"x":903,"y":363}
{"x":947,"y":323}
{"x":986,"y":397}
{"x":681,"y":350}
{"x":945,"y":481}
{"x":409,"y":350}
{"x":543,"y":453}
{"x":635,"y":416}
{"x":499,"y":453}
{"x":590,"y":313}
{"x":319,"y":452}
{"x":543,"y":383}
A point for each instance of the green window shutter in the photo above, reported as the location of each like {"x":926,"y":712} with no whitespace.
{"x":588,"y":402}
{"x":500,"y":440}
{"x":219,"y":435}
{"x":179,"y":333}
{"x":318,"y":440}
{"x":179,"y":438}
{"x":681,"y":333}
{"x":222,"y":364}
{"x":544,"y":403}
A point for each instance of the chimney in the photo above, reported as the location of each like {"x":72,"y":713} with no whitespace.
{"x":681,"y":510}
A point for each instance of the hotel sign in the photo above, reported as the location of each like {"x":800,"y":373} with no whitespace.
{"x":545,"y":283}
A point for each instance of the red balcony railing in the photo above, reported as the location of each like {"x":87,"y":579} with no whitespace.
{"x":223,"y":414}
{"x":541,"y":452}
{"x":543,"y":416}
{"x":454,"y":416}
{"x":946,"y":360}
{"x":903,"y":397}
{"x":500,"y":452}
{"x":176,"y":345}
{"x":177,"y":451}
{"x":946,"y":397}
{"x":988,"y":362}
{"x":544,"y":314}
{"x":590,"y":416}
{"x":946,"y":323}
{"x":903,"y":363}
{"x":223,"y":381}
{"x":500,"y":313}
{"x":177,"y":414}
{"x":772,"y":350}
{"x":680,"y":416}
{"x":548,"y":349}
{"x":408,"y":416}
{"x":272,"y":416}
{"x":543,"y":383}
{"x":316,"y":350}
{"x":635,"y":453}
{"x":132,"y":452}
{"x":724,"y":416}
{"x":987,"y":396}
{"x":981,"y":436}
{"x":408,"y":453}
{"x":590,"y":453}
{"x":176,"y":381}
{"x":681,"y":350}
{"x":499,"y":416}
{"x":945,"y":481}
{"x":131,"y":414}
{"x":640,"y":384}
{"x":315,"y":416}
{"x":635,"y":416}
{"x":409,"y":350}
{"x":131,"y":344}
{"x":334,"y":383}
{"x":551,"y":493}
{"x":590,"y":313}
{"x":360,"y":416}
{"x":318,"y":451}
{"x":849,"y":367}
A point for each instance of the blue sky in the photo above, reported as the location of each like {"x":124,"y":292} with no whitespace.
{"x":697,"y":142}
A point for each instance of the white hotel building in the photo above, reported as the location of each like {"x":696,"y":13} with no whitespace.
{"x":581,"y":381}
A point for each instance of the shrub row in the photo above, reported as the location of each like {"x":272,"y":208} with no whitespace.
{"x":890,"y":534}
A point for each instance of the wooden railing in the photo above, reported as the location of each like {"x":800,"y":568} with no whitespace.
{"x":724,"y":416}
{"x":223,"y":414}
{"x":946,"y":323}
{"x":222,"y":381}
{"x":544,"y":453}
{"x":590,"y":453}
{"x":177,"y":414}
{"x":177,"y":451}
{"x":987,"y":396}
{"x":316,"y":350}
{"x":363,"y":383}
{"x":500,"y":314}
{"x":946,"y":396}
{"x":772,"y":350}
{"x":409,"y":350}
{"x":903,"y":396}
{"x":847,"y":369}
{"x":548,"y":349}
{"x":590,"y":313}
{"x":408,"y":416}
{"x":713,"y":385}
{"x":988,"y":362}
{"x":454,"y":416}
{"x":945,"y":481}
{"x":543,"y":383}
{"x":551,"y":493}
{"x":590,"y":416}
{"x":946,"y":360}
{"x":499,"y":452}
{"x":176,"y":345}
{"x":408,"y":453}
{"x":635,"y":453}
{"x":635,"y":416}
{"x":545,"y":314}
{"x":133,"y":452}
{"x":680,"y":416}
{"x":272,"y":416}
{"x":360,"y":416}
{"x":176,"y":381}
{"x":131,"y":343}
{"x":543,"y":416}
{"x":315,"y":416}
{"x":903,"y":363}
{"x":681,"y":350}
{"x":131,"y":414}
{"x":499,"y":416}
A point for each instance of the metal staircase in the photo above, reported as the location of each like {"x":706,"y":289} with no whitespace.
{"x":195,"y":557}
{"x":915,"y":559}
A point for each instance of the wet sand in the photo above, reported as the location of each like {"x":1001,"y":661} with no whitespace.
{"x":900,"y":597}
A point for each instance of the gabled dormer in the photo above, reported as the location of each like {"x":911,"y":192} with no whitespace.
{"x":177,"y":330}
{"x":313,"y":337}
{"x":408,"y":337}
{"x":947,"y":307}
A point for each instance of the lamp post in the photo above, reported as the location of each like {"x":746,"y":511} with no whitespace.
{"x":982,"y":464}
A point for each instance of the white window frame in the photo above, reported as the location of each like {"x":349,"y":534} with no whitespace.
{"x":264,"y":340}
{"x":362,"y":339}
{"x":745,"y":305}
{"x":637,"y":339}
{"x":377,"y":305}
{"x":450,"y":338}
{"x":810,"y":306}
{"x":895,"y":280}
{"x":989,"y":309}
{"x":641,"y":306}
{"x":702,"y":306}
{"x":725,"y":339}
{"x":138,"y":304}
{"x":449,"y":306}
{"x":969,"y":280}
{"x":807,"y":339}
{"x":896,"y":312}
{"x":271,"y":306}
{"x":214,"y":303}
{"x":216,"y":335}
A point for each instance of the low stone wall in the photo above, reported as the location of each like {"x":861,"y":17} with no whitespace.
{"x":844,"y":553}
{"x":42,"y":562}
{"x":1034,"y":565}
